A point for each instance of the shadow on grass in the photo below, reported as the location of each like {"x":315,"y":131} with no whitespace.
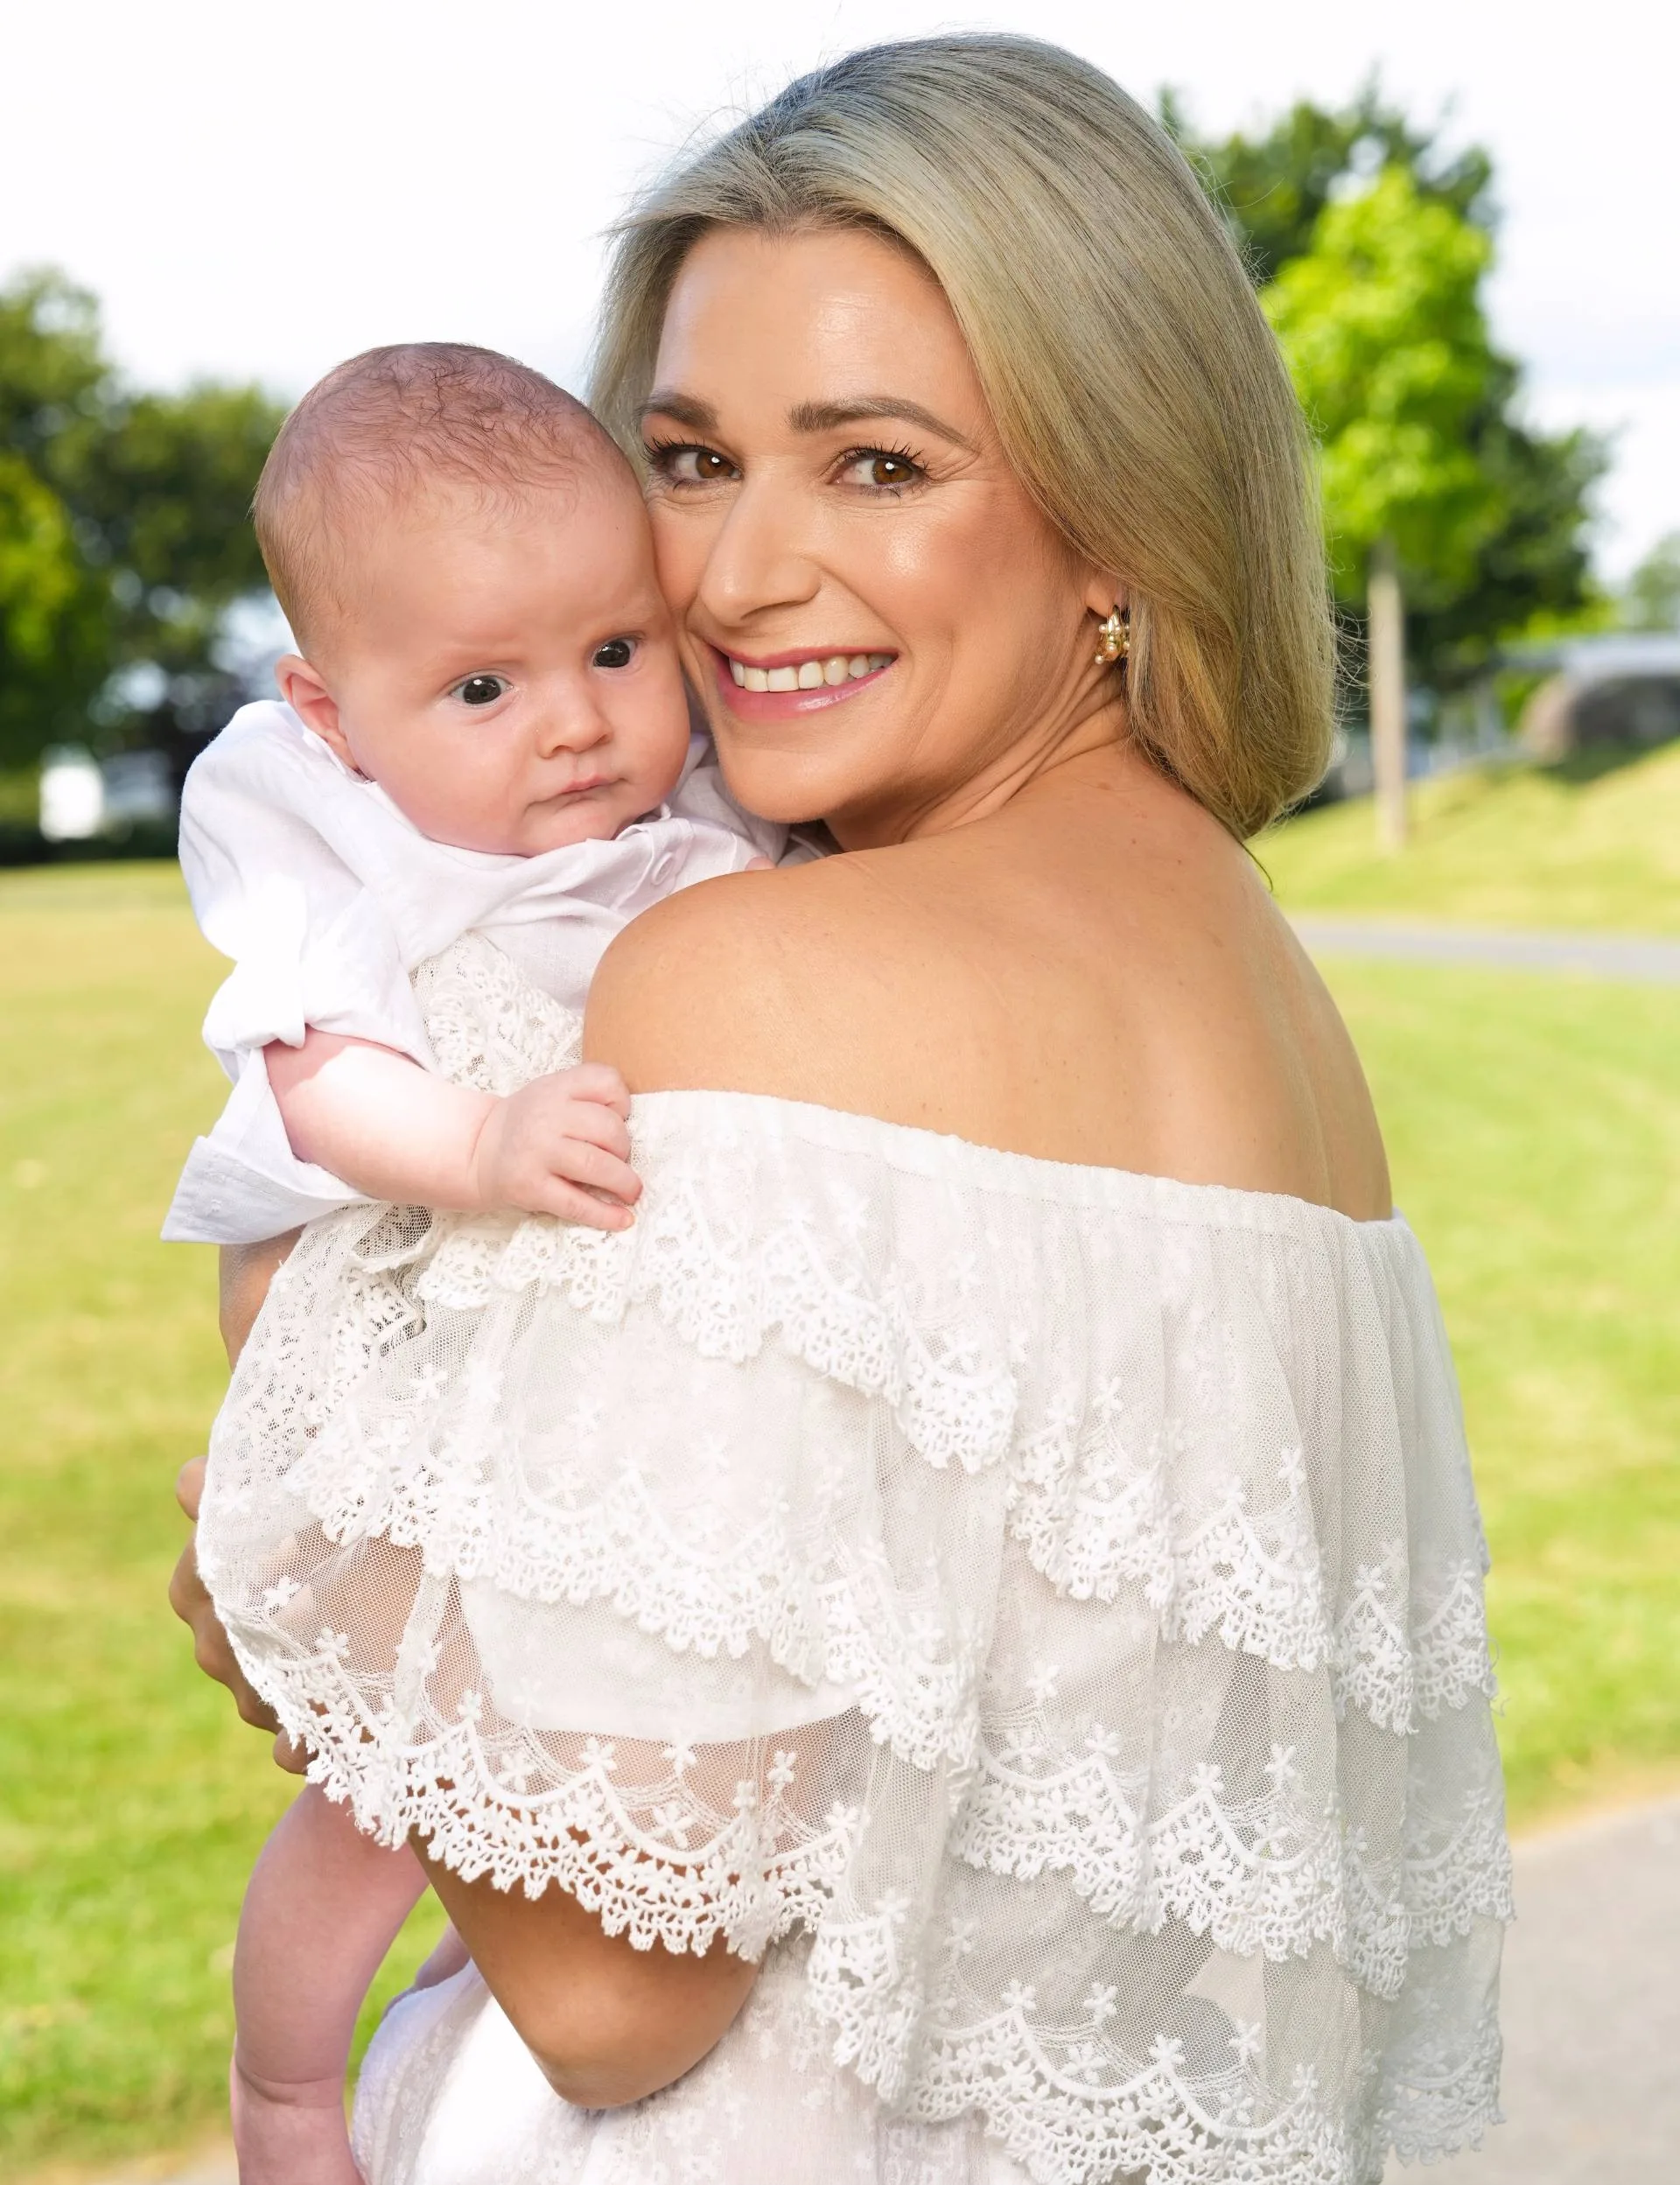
{"x":21,"y":844}
{"x":1594,"y":762}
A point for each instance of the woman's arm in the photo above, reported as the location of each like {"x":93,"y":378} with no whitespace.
{"x":245,"y":1273}
{"x":606,"y":2022}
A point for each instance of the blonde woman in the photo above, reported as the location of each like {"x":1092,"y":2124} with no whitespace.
{"x":985,"y":1678}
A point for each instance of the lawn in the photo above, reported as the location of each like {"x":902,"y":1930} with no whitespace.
{"x":131,"y":1799}
{"x":1590,"y":845}
{"x":1535,"y":1126}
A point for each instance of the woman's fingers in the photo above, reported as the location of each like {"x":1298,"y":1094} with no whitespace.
{"x":211,"y":1650}
{"x":288,"y":1754}
{"x":189,"y":1485}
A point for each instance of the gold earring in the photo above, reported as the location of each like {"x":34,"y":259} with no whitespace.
{"x":1113,"y":638}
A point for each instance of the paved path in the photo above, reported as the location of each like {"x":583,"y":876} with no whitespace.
{"x":1590,"y":2011}
{"x":1594,"y":955}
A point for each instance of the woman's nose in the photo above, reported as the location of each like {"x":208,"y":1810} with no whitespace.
{"x":756,"y":560}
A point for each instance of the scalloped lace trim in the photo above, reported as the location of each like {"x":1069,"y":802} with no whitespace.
{"x":1067,"y":2106}
{"x":1257,"y":1589}
{"x":1257,"y":1875}
{"x":1081,"y":2116}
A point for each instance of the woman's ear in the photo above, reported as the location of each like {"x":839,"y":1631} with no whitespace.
{"x":301,"y":687}
{"x":1104,"y":593}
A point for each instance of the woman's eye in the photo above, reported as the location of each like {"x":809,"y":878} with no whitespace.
{"x":480,"y":689}
{"x":618,"y":652}
{"x":881,"y":468}
{"x":688,"y":465}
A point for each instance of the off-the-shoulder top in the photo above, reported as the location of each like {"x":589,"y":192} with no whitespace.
{"x":1052,"y":1595}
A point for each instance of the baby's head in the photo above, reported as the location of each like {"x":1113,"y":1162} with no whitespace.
{"x":464,"y":558}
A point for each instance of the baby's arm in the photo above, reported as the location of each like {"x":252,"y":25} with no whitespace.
{"x":560,"y":1145}
{"x":323,"y":1907}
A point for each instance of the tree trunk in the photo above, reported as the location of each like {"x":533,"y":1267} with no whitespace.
{"x":1388,"y":694}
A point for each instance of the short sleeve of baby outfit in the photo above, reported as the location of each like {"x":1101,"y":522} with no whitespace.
{"x":278,"y":843}
{"x":1055,"y":1593}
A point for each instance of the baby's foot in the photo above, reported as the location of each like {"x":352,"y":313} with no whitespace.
{"x":293,"y":2135}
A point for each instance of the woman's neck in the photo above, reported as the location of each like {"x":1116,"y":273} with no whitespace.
{"x":1048,"y":753}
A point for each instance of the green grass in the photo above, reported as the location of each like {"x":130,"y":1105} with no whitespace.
{"x":131,"y":1799}
{"x":1534,"y":1130}
{"x":1593,"y":845}
{"x":1535,"y":1127}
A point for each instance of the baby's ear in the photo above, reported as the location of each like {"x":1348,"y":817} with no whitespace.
{"x":301,"y":687}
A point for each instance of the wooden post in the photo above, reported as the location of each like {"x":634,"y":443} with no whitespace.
{"x":1388,"y":694}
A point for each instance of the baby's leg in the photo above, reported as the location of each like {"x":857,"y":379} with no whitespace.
{"x":323,"y":1905}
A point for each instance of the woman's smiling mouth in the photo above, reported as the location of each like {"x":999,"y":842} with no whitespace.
{"x":794,"y":683}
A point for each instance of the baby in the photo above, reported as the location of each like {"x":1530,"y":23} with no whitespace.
{"x":485,"y":733}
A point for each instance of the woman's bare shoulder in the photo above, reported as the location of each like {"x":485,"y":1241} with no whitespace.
{"x":804,"y":983}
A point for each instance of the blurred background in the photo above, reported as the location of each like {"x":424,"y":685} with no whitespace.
{"x":1460,"y":219}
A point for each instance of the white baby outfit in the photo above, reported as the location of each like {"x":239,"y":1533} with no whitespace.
{"x":1038,"y":1607}
{"x":327,"y":899}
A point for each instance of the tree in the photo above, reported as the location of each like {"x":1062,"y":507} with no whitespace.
{"x":1272,"y":188}
{"x":1651,"y":600}
{"x":1530,"y":559}
{"x":1382,"y":324}
{"x":124,"y":534}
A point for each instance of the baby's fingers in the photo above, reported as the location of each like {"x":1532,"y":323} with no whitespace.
{"x":572,"y":1202}
{"x":591,"y":1124}
{"x":598,"y":1082}
{"x":596,"y":1169}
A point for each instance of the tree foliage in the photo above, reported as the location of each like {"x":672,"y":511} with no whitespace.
{"x":1357,"y":199}
{"x":1381,"y":320}
{"x":1273,"y":187}
{"x":1651,"y":599}
{"x":124,"y":532}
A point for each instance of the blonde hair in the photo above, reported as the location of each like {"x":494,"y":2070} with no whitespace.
{"x":1135,"y":384}
{"x":395,"y":423}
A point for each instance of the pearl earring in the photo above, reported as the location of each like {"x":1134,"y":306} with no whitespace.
{"x":1113,"y":638}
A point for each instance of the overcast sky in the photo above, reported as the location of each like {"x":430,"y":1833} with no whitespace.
{"x":258,"y":190}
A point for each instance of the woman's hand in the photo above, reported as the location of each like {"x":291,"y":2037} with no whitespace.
{"x":246,"y":1271}
{"x":211,"y":1650}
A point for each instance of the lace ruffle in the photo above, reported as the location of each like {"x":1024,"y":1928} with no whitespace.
{"x":1033,"y":1584}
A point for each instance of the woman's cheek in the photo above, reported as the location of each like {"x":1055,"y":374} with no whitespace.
{"x":680,"y":549}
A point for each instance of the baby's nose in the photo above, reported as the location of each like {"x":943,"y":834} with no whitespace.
{"x":574,"y":727}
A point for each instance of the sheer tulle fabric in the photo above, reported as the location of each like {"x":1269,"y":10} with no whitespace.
{"x":1042,"y":1603}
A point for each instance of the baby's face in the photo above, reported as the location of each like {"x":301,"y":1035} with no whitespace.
{"x":509,"y":677}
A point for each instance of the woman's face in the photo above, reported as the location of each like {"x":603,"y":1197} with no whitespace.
{"x":886,"y":631}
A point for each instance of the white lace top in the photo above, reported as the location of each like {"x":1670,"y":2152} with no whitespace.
{"x":327,"y":897}
{"x":1043,"y":1604}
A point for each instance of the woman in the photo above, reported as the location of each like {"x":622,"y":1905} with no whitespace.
{"x":1036,"y":1617}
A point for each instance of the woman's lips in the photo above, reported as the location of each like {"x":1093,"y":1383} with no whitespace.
{"x":857,"y":671}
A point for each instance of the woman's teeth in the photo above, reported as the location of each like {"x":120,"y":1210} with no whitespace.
{"x":810,"y":675}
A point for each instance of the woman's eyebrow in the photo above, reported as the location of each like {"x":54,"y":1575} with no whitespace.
{"x":665,"y":402}
{"x":856,"y":409}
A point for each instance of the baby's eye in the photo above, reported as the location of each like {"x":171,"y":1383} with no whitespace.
{"x":618,"y":652}
{"x":480,"y":689}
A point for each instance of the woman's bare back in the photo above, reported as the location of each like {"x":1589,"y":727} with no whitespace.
{"x":1094,"y":973}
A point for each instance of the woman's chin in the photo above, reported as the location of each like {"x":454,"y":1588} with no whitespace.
{"x":787,"y":786}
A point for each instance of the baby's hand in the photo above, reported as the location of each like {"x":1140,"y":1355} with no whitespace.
{"x":561,"y":1144}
